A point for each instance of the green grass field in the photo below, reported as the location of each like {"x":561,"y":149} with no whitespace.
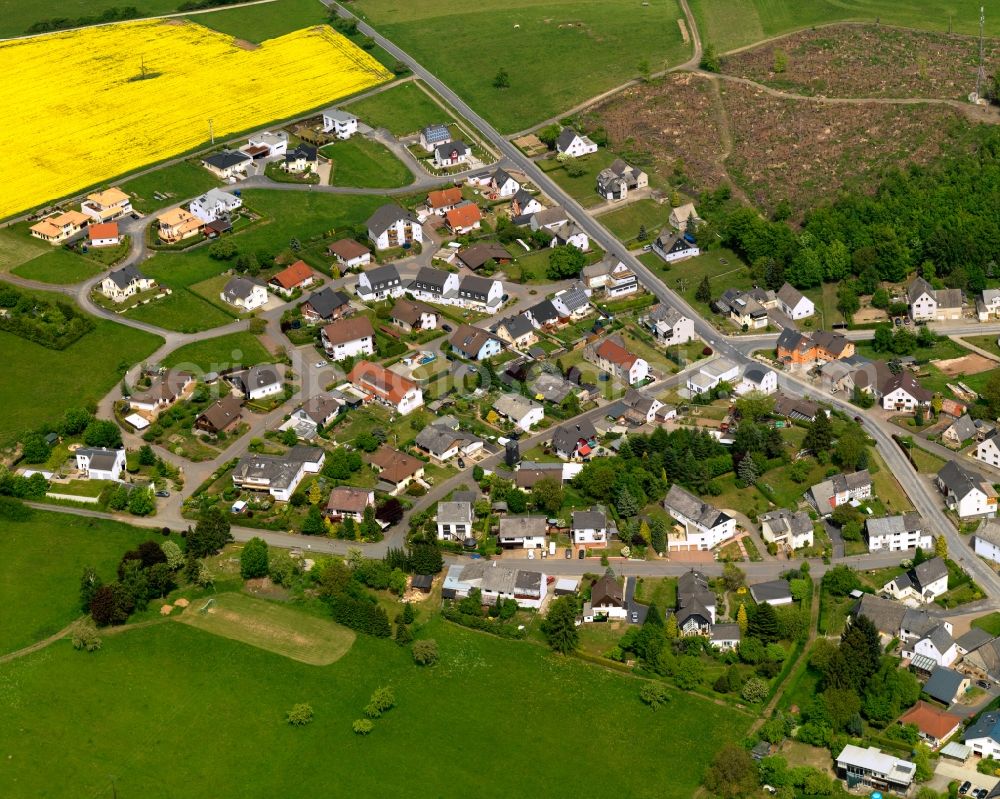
{"x":40,"y":384}
{"x":210,"y":695}
{"x":270,"y":626}
{"x":584,"y":187}
{"x":59,"y":266}
{"x":989,"y":622}
{"x":625,"y":222}
{"x":242,"y":348}
{"x":177,"y":182}
{"x":17,"y":16}
{"x":401,"y":110}
{"x":723,"y":268}
{"x":365,"y":164}
{"x":184,"y":309}
{"x":41,"y":561}
{"x":17,"y":247}
{"x":265,"y":21}
{"x":557,"y":54}
{"x":729,"y":24}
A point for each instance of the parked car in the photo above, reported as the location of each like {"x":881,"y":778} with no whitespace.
{"x":446,"y":328}
{"x":531,"y":554}
{"x":461,"y":463}
{"x":163,"y":493}
{"x":569,"y":553}
{"x":964,"y":787}
{"x":635,"y":617}
{"x":583,"y":554}
{"x":983,"y":684}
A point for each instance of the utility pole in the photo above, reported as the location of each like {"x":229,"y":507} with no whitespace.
{"x":211,"y":133}
{"x":981,"y":73}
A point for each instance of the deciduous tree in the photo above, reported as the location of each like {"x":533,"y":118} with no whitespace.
{"x":254,"y":559}
{"x":559,"y":625}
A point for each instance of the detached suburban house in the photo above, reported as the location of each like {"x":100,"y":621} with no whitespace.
{"x":411,"y":316}
{"x":379,"y":283}
{"x":350,"y":254}
{"x":934,"y":726}
{"x":521,"y":411}
{"x":100,"y":463}
{"x":176,"y":225}
{"x":873,"y":768}
{"x":923,"y":583}
{"x":574,"y":440}
{"x":387,"y":387}
{"x":966,"y":492}
{"x":476,"y":256}
{"x":523,"y":206}
{"x":840,"y":489}
{"x":123,"y":283}
{"x":522,"y":532}
{"x":479,"y":294}
{"x":296,"y":276}
{"x":719,"y":370}
{"x":396,"y":470}
{"x":517,"y":331}
{"x":245,"y":293}
{"x":757,"y":378}
{"x":163,"y":392}
{"x":454,"y":521}
{"x":348,"y":338}
{"x":213,"y":204}
{"x":393,"y":226}
{"x":788,"y":529}
{"x":928,"y":304}
{"x":450,"y":153}
{"x":902,"y":392}
{"x":773,"y":592}
{"x":989,"y":450}
{"x":266,"y":144}
{"x":463,"y":218}
{"x":614,"y":182}
{"x":104,"y":234}
{"x":221,"y":417}
{"x":227,"y":164}
{"x":59,"y":227}
{"x":497,"y":185}
{"x":611,"y":356}
{"x":496,"y":582}
{"x":794,"y":303}
{"x":668,"y":325}
{"x":433,"y":135}
{"x":704,"y":526}
{"x":278,"y":475}
{"x":574,"y":144}
{"x":434,"y":285}
{"x":257,"y":382}
{"x":590,"y":528}
{"x":474,"y":343}
{"x":443,"y":442}
{"x":108,"y":205}
{"x":572,"y":303}
{"x":441,"y":201}
{"x":986,"y":540}
{"x":695,"y":612}
{"x":346,"y":502}
{"x":607,"y":600}
{"x":682,"y":215}
{"x":325,"y":306}
{"x":897,"y":533}
{"x":341,"y":124}
{"x":671,"y":246}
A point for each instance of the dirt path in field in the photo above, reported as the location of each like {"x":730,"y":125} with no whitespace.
{"x":726,"y":137}
{"x":38,"y":645}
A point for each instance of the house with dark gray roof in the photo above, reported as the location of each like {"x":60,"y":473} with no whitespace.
{"x":668,"y":325}
{"x":244,"y":292}
{"x":966,"y":492}
{"x":925,"y":582}
{"x":517,"y":331}
{"x":434,"y":285}
{"x":945,"y":685}
{"x":393,"y":226}
{"x":479,"y":293}
{"x":454,"y":521}
{"x":696,"y":604}
{"x":380,"y":283}
{"x":972,"y":640}
{"x":552,"y":388}
{"x":433,"y":135}
{"x":897,"y":533}
{"x":100,"y":463}
{"x":279,"y":475}
{"x":773,"y":592}
{"x":615,"y":181}
{"x":120,"y":284}
{"x":590,"y":528}
{"x":227,"y":164}
{"x":840,"y":489}
{"x":675,"y":246}
{"x":257,"y":382}
{"x":326,"y":305}
{"x":788,"y":529}
{"x":794,"y":303}
{"x":574,"y":439}
{"x":573,"y":302}
{"x":702,"y":526}
{"x":574,"y":144}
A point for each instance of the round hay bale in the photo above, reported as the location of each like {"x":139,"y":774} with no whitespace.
{"x":166,"y":609}
{"x":182,"y":603}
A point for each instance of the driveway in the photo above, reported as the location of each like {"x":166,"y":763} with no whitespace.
{"x":836,"y":539}
{"x":632,"y":605}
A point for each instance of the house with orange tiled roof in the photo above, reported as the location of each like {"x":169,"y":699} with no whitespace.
{"x":59,"y":227}
{"x":177,"y":225}
{"x":104,"y":234}
{"x":464,"y":219}
{"x":934,"y":726}
{"x":442,"y":201}
{"x":382,"y":385}
{"x":611,"y":356}
{"x":106,"y":206}
{"x":296,"y":276}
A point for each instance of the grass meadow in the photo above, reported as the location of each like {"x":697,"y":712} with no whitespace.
{"x":39,"y":383}
{"x":557,"y":54}
{"x":402,"y":110}
{"x":176,"y":182}
{"x":507,"y":702}
{"x":210,"y":355}
{"x":59,"y":267}
{"x":256,"y":23}
{"x":366,"y":164}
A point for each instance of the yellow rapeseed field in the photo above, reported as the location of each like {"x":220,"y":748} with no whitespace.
{"x":76,"y":115}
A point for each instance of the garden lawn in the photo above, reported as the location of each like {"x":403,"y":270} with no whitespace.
{"x":402,"y":110}
{"x":224,"y":693}
{"x":887,"y":488}
{"x":176,"y":182}
{"x":255,"y":23}
{"x":366,"y":164}
{"x":211,"y":355}
{"x":58,"y":266}
{"x":584,"y":187}
{"x":723,"y":268}
{"x":184,"y":309}
{"x":625,"y":222}
{"x":990,"y":623}
{"x":41,"y":561}
{"x":734,"y":23}
{"x":17,"y":246}
{"x":927,"y":463}
{"x":557,"y":54}
{"x":40,"y":383}
{"x":988,"y":343}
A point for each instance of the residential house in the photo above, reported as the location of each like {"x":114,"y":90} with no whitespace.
{"x":479,"y":294}
{"x":543,"y":314}
{"x":796,"y":349}
{"x":988,"y":451}
{"x":590,"y":528}
{"x":614,"y":182}
{"x":837,"y":376}
{"x":873,"y":768}
{"x":936,"y":644}
{"x":711,"y":374}
{"x":350,"y":254}
{"x":476,"y":256}
{"x":60,"y":227}
{"x":989,"y":305}
{"x":524,"y":413}
{"x":794,"y":303}
{"x":964,"y":429}
{"x":553,"y":388}
{"x":107,"y":205}
{"x":524,"y":205}
{"x":347,"y":502}
{"x":321,"y":409}
{"x":672,"y":246}
{"x":228,"y":164}
{"x":163,"y":392}
{"x":530,"y":473}
{"x":928,"y":304}
{"x":410,"y":316}
{"x":574,"y":144}
{"x":443,"y":442}
{"x":696,"y":604}
{"x":441,"y":201}
{"x":897,"y":533}
{"x":348,"y":338}
{"x":213,"y":204}
{"x":933,"y":725}
{"x":724,"y":637}
{"x":611,"y":356}
{"x":278,"y":475}
{"x":380,"y":283}
{"x":549,"y":219}
{"x":744,"y":308}
{"x":433,"y":135}
{"x":222,"y":416}
{"x":668,"y":325}
{"x":840,"y":489}
{"x":888,"y":616}
{"x":100,"y":463}
{"x":640,"y":407}
{"x":788,"y":529}
{"x":302,"y":160}
{"x":902,"y":392}
{"x":966,"y":492}
{"x":757,"y":378}
{"x":393,"y":226}
{"x":257,"y":382}
{"x":683,"y":215}
{"x":474,"y":343}
{"x":832,"y":346}
{"x":946,"y":685}
{"x":396,"y":470}
{"x":244,"y":292}
{"x":123,"y":283}
{"x":574,"y":440}
{"x":267,"y":144}
{"x":342,"y":124}
{"x":522,"y":532}
{"x":773,"y":592}
{"x":607,"y":600}
{"x":925,"y":582}
{"x":703,"y":526}
{"x":434,"y":285}
{"x":451,"y":153}
{"x":501,"y":184}
{"x":454,"y":521}
{"x":496,"y":583}
{"x":325,"y":305}
{"x":572,"y":303}
{"x":176,"y":225}
{"x":615,"y":278}
{"x":571,"y":235}
{"x":972,"y":640}
{"x":293,"y":277}
{"x":984,"y":661}
{"x":517,"y":331}
{"x":986,"y":540}
{"x":104,"y":234}
{"x":387,"y":387}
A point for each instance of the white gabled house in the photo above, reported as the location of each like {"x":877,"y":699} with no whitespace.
{"x":988,"y":450}
{"x":454,"y":521}
{"x":574,"y":144}
{"x":245,"y":293}
{"x":590,"y":528}
{"x":986,"y":540}
{"x":341,"y":124}
{"x":257,"y":382}
{"x":757,"y":378}
{"x":100,"y":463}
{"x":380,"y":283}
{"x":789,"y":529}
{"x":524,"y":413}
{"x":213,"y":204}
{"x":669,"y":326}
{"x":522,"y":532}
{"x":928,"y":304}
{"x":966,"y":492}
{"x":450,"y":153}
{"x":925,"y":582}
{"x":122,"y":283}
{"x":607,"y":600}
{"x":704,"y":526}
{"x":348,"y":337}
{"x":794,"y":303}
{"x":897,"y":533}
{"x":393,"y":226}
{"x":671,"y":246}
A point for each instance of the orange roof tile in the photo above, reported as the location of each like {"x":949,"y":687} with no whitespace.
{"x":930,"y":721}
{"x":614,"y":352}
{"x":378,"y":380}
{"x":104,"y":230}
{"x":295,"y":274}
{"x":444,"y":197}
{"x":463,"y":216}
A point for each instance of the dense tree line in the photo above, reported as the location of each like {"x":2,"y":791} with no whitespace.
{"x":350,"y":604}
{"x":113,"y":14}
{"x":51,"y":323}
